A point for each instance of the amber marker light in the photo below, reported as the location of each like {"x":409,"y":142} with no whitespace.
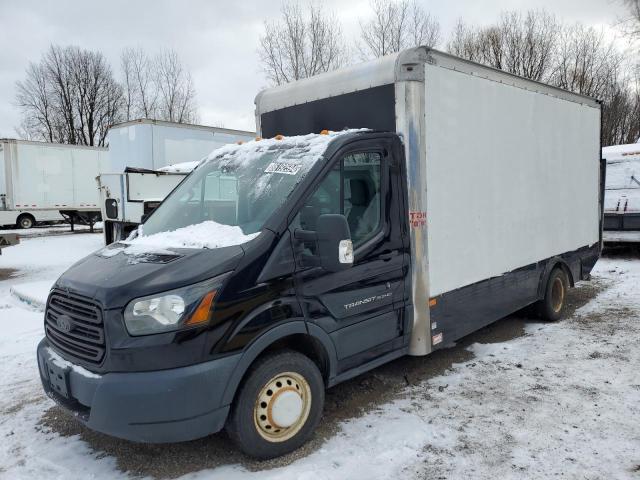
{"x":201,"y":315}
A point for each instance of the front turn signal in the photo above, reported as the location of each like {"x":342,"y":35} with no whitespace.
{"x":201,"y":314}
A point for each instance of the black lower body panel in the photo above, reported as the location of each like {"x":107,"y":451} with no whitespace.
{"x":462,"y":311}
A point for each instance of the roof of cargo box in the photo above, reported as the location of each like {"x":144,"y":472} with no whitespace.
{"x":164,"y":123}
{"x":49,"y":144}
{"x":629,"y":151}
{"x":390,"y":69}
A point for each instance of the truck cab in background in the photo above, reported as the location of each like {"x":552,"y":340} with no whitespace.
{"x":141,"y":154}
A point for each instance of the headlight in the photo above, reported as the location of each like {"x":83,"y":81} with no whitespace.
{"x":173,"y":310}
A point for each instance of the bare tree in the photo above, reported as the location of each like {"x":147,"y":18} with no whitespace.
{"x":586,"y":62}
{"x":519,"y":44}
{"x":397,"y":25}
{"x":33,"y":96}
{"x":70,"y":96}
{"x":299,"y":46}
{"x":632,"y":23}
{"x":139,"y":78}
{"x":176,"y":93}
{"x":621,"y":113}
{"x":158,"y":87}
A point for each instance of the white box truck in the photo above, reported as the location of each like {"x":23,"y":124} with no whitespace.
{"x":281,"y":267}
{"x":139,"y":152}
{"x":622,"y":194}
{"x":42,"y":182}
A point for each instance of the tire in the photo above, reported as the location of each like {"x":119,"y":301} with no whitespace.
{"x":553,"y":305}
{"x":26,"y":221}
{"x":285,"y":387}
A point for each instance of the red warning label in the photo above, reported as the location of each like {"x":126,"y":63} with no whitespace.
{"x":418,"y":219}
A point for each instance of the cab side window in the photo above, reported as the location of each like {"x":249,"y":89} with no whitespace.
{"x":361,"y":193}
{"x":352,"y":189}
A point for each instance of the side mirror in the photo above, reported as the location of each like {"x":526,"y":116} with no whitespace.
{"x":333,"y":239}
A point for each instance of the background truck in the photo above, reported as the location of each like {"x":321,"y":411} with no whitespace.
{"x":284,"y":266}
{"x":140,"y":152}
{"x":622,"y":194}
{"x":47,"y":181}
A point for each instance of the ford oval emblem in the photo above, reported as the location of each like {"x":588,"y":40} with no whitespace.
{"x":64,"y":323}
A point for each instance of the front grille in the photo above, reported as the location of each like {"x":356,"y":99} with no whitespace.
{"x":85,"y":339}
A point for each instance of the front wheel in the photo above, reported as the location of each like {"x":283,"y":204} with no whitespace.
{"x":278,"y":405}
{"x":552,"y":306}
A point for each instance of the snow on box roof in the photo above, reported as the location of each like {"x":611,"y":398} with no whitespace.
{"x":300,"y":148}
{"x":184,"y":167}
{"x":621,"y":152}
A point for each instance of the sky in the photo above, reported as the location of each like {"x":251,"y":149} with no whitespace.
{"x":216,"y":40}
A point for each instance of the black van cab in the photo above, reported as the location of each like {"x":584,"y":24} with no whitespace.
{"x":298,"y":282}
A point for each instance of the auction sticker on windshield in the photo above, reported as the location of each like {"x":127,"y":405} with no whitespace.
{"x":283,"y":167}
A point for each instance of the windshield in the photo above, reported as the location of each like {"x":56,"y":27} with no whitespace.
{"x":238,"y":186}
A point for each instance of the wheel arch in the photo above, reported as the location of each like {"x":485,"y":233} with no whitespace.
{"x":552,"y":264}
{"x":307,"y":339}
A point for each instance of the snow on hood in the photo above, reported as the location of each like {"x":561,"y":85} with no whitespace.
{"x":208,"y":234}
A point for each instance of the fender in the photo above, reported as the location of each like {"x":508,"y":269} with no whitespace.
{"x":260,"y":344}
{"x":551,"y":264}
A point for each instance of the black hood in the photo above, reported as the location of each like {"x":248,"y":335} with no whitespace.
{"x":113,"y":277}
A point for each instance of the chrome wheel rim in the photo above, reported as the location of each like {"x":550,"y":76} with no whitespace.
{"x":282,"y":407}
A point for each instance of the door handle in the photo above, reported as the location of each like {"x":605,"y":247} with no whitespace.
{"x":386,"y":256}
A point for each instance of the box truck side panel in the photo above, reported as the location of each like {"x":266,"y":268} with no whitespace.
{"x":130,"y":146}
{"x":143,"y":187}
{"x":42,"y":176}
{"x":173,"y":144}
{"x":3,"y":183}
{"x":86,"y":167}
{"x":512,"y":177}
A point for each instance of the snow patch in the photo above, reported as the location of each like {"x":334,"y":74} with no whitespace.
{"x":184,"y":167}
{"x":208,"y":234}
{"x":33,"y":293}
{"x":60,"y":362}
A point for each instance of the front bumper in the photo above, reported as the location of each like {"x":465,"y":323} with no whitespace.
{"x":154,"y":407}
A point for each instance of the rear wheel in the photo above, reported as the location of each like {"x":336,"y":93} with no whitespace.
{"x":26,"y":221}
{"x":278,"y":406}
{"x":552,"y":306}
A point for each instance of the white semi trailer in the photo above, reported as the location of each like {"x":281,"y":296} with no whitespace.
{"x":41,"y":182}
{"x":139,"y":152}
{"x":622,"y":194}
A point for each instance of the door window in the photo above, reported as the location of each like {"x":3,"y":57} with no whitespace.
{"x":351,"y":189}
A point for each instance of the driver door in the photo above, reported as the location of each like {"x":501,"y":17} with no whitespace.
{"x":361,"y":308}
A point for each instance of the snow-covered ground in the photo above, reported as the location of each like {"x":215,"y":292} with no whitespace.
{"x":561,"y":400}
